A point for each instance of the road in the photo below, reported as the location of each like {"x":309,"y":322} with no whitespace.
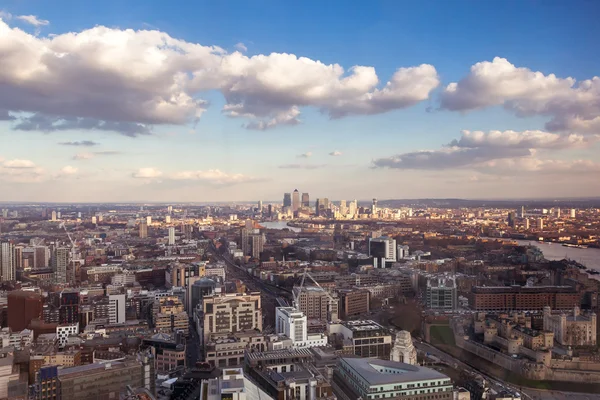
{"x":536,"y":394}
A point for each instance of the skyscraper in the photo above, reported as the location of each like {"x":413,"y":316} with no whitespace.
{"x":573,"y":215}
{"x":374,"y":209}
{"x":171,"y":236}
{"x":287,"y":199}
{"x":116,"y":308}
{"x":143,"y":230}
{"x":260,"y":206}
{"x":53,"y":215}
{"x":60,"y":261}
{"x":258,"y":242}
{"x":149,"y":220}
{"x":7,"y":261}
{"x":244,"y":236}
{"x":295,"y":200}
{"x":305,"y":200}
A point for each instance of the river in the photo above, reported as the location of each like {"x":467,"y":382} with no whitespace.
{"x":554,"y":251}
{"x":279,"y":225}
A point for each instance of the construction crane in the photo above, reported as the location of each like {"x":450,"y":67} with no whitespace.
{"x":332,"y":304}
{"x":62,"y":225}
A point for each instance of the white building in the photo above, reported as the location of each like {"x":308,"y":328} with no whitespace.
{"x":168,"y":219}
{"x":571,"y":330}
{"x":383,"y":250}
{"x":404,"y":351}
{"x":573,"y":215}
{"x":7,"y":261}
{"x":171,"y":236}
{"x":231,"y":385}
{"x":149,"y":220}
{"x":215,"y":271}
{"x":116,"y":308}
{"x":293,"y":324}
{"x":64,"y":331}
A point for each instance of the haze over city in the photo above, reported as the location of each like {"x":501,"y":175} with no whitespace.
{"x":131,"y":101}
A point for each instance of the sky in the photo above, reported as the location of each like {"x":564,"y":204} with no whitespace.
{"x":239,"y":101}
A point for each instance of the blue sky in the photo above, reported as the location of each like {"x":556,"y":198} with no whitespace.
{"x":392,"y":147}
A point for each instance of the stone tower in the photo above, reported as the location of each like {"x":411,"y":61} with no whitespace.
{"x":404,"y":350}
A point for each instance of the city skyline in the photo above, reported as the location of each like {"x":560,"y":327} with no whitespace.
{"x":386,"y":100}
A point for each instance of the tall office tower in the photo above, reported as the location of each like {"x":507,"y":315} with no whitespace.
{"x":270,"y":213}
{"x":295,"y":200}
{"x":260,"y":206}
{"x":7,"y":261}
{"x":53,"y":215}
{"x":18,"y":256}
{"x":573,"y":215}
{"x":305,"y":200}
{"x":60,"y":261}
{"x":522,"y":211}
{"x":374,"y":209}
{"x":287,"y":199}
{"x":171,"y":236}
{"x":170,"y":209}
{"x":167,"y":219}
{"x":58,"y":215}
{"x":526,"y":224}
{"x":353,"y":208}
{"x":149,"y":220}
{"x":558,"y":213}
{"x":511,"y":219}
{"x":383,"y":250}
{"x":540,"y":224}
{"x":244,"y":237}
{"x":258,"y":242}
{"x":143,"y":230}
{"x":116,"y":308}
{"x":68,"y":313}
{"x":94,"y":220}
{"x":343,"y":207}
{"x":79,"y":214}
{"x":40,"y":257}
{"x":5,"y":213}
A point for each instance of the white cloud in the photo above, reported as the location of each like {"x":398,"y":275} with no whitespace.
{"x":33,"y":20}
{"x":241,"y":47}
{"x":90,"y":155}
{"x":147,"y":173}
{"x":535,"y":165}
{"x":68,"y":170}
{"x":524,"y":139}
{"x":83,"y":156}
{"x":302,"y":166}
{"x":18,"y":164}
{"x":126,"y":81}
{"x":213,"y":177}
{"x":335,"y":153}
{"x":308,"y":154}
{"x":571,"y":106}
{"x":84,"y":143}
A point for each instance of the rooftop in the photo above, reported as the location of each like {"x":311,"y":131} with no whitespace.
{"x":371,"y":370}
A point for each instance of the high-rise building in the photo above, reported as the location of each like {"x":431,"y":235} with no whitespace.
{"x":171,"y":236}
{"x":558,"y":213}
{"x":23,"y":306}
{"x":572,"y":213}
{"x":321,"y":205}
{"x":167,"y":219}
{"x":170,"y":209}
{"x":53,"y":215}
{"x":293,"y":324}
{"x":353,"y":302}
{"x":526,"y":224}
{"x":68,"y":312}
{"x":295,"y":200}
{"x":260,"y":206}
{"x":540,"y":224}
{"x":116,"y":308}
{"x":353,"y":208}
{"x":7,"y":261}
{"x":244,"y":240}
{"x":343,"y":207}
{"x":143,"y":230}
{"x":60,"y":261}
{"x":314,"y":302}
{"x":230,"y":313}
{"x":383,"y":251}
{"x":287,"y":199}
{"x":258,"y":242}
{"x":512,"y":219}
{"x":374,"y":209}
{"x":522,"y":211}
{"x":305,"y":200}
{"x":149,"y":220}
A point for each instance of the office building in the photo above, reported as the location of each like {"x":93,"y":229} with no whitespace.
{"x":370,"y":378}
{"x":512,"y":219}
{"x":63,"y":332}
{"x":305,"y":200}
{"x":383,"y":251}
{"x":293,"y":324}
{"x":233,"y":385}
{"x":523,"y":298}
{"x":404,"y":351}
{"x":314,"y":302}
{"x":143,"y":230}
{"x":572,"y":329}
{"x":149,"y":220}
{"x":522,"y":211}
{"x":363,"y":338}
{"x":68,"y":312}
{"x":23,"y":306}
{"x":198,"y":290}
{"x":245,"y":241}
{"x":170,"y":316}
{"x":374,"y":208}
{"x":573,"y":214}
{"x":54,"y":215}
{"x":168,"y":352}
{"x":353,"y":302}
{"x":7,"y":262}
{"x":260,"y":206}
{"x":167,"y":219}
{"x":540,"y":224}
{"x":321,"y":206}
{"x":230,"y":313}
{"x":295,"y":200}
{"x":116,"y":308}
{"x":60,"y":262}
{"x":171,"y":236}
{"x":441,"y":294}
{"x":287,"y":199}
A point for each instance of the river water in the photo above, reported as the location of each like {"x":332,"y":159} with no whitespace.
{"x":553,"y":251}
{"x":279,"y":225}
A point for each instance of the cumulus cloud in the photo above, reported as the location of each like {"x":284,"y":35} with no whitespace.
{"x":214,"y":177}
{"x":84,"y":143}
{"x":571,"y":106}
{"x":308,"y":154}
{"x":90,"y":155}
{"x":535,"y":165}
{"x":524,"y":139}
{"x":33,"y":20}
{"x":68,"y":170}
{"x":241,"y":47}
{"x":147,"y":173}
{"x":18,"y":164}
{"x":127,"y":81}
{"x":335,"y":153}
{"x":302,"y":166}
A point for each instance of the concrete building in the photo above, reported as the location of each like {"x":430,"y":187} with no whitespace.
{"x":258,"y":242}
{"x":171,"y":236}
{"x":232,"y":385}
{"x":287,"y":200}
{"x":9,"y":373}
{"x":23,"y":306}
{"x":383,"y":251}
{"x":143,"y":230}
{"x":404,"y":351}
{"x":228,"y":350}
{"x":313,"y":302}
{"x":293,"y":324}
{"x":353,"y":302}
{"x":7,"y":262}
{"x":295,"y":200}
{"x":574,"y":329}
{"x":60,"y":262}
{"x":370,"y":378}
{"x":305,"y":200}
{"x":523,"y":298}
{"x":363,"y":338}
{"x":441,"y":294}
{"x":116,"y":308}
{"x":63,"y":332}
{"x":230,"y":313}
{"x":169,"y":315}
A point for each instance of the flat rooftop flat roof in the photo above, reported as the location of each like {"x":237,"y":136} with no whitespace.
{"x":370,"y":370}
